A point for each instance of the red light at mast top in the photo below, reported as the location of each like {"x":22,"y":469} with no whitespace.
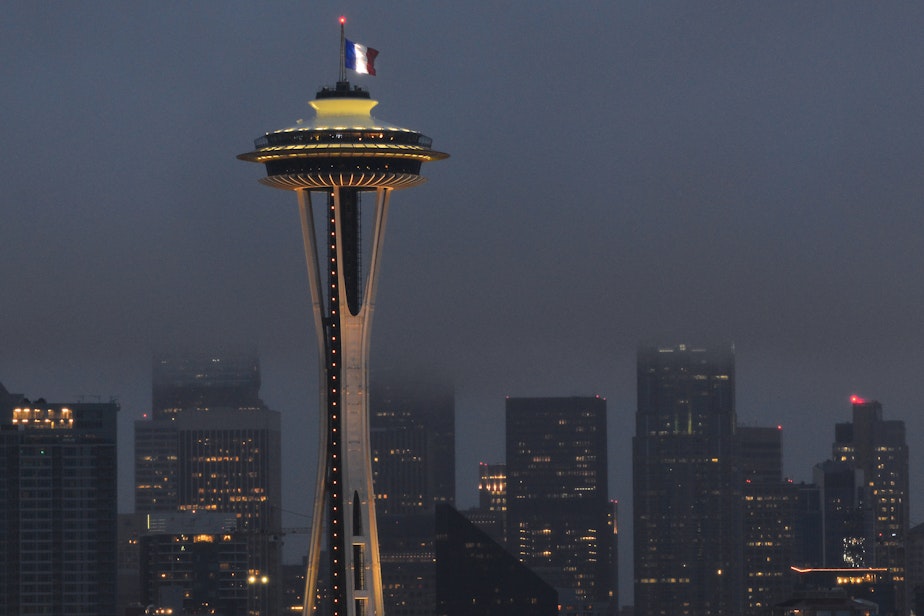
{"x":342,"y":20}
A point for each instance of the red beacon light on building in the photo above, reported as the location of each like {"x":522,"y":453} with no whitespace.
{"x":855,"y":399}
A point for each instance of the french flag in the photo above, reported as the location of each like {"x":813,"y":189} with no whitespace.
{"x":359,"y":57}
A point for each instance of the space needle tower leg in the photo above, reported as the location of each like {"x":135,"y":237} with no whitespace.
{"x":306,"y":214}
{"x":344,"y":495}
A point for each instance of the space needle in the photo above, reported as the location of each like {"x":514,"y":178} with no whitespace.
{"x":333,"y":162}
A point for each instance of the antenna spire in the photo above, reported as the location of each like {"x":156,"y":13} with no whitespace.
{"x":342,"y":49}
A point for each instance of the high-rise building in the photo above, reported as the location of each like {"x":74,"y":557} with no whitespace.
{"x":333,"y":161}
{"x":808,"y":526}
{"x":687,"y":514}
{"x":559,"y":518}
{"x":156,"y":466}
{"x":878,"y":449}
{"x":412,"y":430}
{"x":477,"y":577}
{"x":412,"y":425}
{"x":213,"y":445}
{"x":58,"y":518}
{"x":769,"y":519}
{"x":186,"y":382}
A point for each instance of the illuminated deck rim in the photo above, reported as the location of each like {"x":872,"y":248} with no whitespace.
{"x":344,"y":151}
{"x":361,"y":142}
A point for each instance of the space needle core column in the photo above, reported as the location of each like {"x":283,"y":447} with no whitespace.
{"x":342,"y":154}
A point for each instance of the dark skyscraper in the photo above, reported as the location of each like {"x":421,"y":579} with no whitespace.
{"x":156,"y":468}
{"x":559,"y":519}
{"x":412,"y":425}
{"x":877,"y":448}
{"x":412,"y":434}
{"x":58,"y":514}
{"x":846,"y":522}
{"x":769,"y":519}
{"x":213,"y":445}
{"x":808,"y":526}
{"x":688,"y":527}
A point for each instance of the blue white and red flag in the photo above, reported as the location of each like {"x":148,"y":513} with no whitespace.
{"x":359,"y":57}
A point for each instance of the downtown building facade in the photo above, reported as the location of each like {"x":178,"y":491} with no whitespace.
{"x":58,"y":507}
{"x":560,"y":521}
{"x":212,"y":446}
{"x":688,"y":526}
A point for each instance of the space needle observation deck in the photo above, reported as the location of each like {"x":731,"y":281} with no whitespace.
{"x":343,"y":146}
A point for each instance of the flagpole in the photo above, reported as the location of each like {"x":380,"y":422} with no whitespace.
{"x":342,"y":50}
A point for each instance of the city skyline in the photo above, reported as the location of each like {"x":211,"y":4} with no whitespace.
{"x":682,"y":174}
{"x":213,"y":381}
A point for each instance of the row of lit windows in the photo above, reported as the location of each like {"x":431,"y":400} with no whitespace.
{"x":664,"y":581}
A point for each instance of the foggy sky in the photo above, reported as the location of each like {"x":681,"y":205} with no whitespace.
{"x":621,"y":173}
